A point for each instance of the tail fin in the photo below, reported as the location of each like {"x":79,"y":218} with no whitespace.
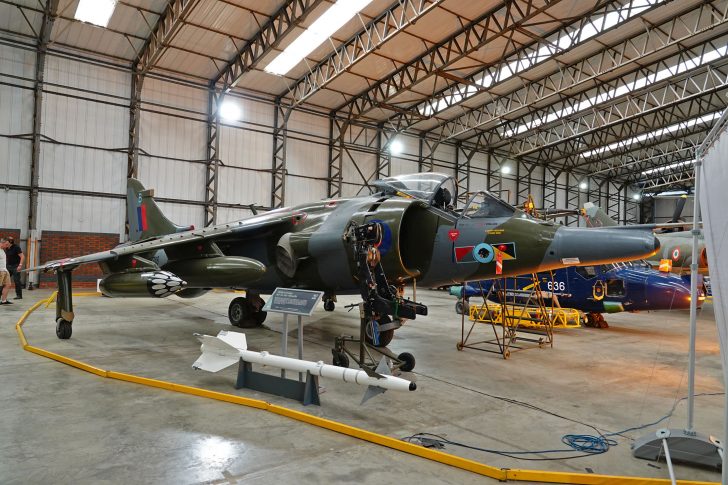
{"x":596,"y":217}
{"x":145,"y":217}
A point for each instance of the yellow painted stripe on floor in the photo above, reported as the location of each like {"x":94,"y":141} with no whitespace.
{"x":502,"y":474}
{"x":589,"y":478}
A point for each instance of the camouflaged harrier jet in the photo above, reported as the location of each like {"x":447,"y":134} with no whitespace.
{"x":423,"y":239}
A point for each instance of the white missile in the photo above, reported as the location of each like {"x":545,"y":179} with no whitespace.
{"x":228,"y":347}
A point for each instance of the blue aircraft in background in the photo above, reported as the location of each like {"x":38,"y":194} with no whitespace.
{"x":611,"y":288}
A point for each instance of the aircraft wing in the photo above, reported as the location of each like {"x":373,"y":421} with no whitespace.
{"x":235,"y":230}
{"x":649,"y":227}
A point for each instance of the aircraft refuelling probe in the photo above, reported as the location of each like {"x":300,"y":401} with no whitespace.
{"x":228,"y":347}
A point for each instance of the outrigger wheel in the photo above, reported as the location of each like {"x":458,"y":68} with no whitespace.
{"x":63,"y":329}
{"x":340,"y":358}
{"x":243,"y":313}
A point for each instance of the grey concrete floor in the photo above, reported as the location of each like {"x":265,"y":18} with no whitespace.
{"x":62,"y":425}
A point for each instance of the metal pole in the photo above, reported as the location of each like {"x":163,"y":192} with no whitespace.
{"x":694,"y":294}
{"x":668,"y":460}
{"x":284,"y":341}
{"x":300,"y":345}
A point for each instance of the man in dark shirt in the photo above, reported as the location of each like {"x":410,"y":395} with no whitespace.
{"x":15,"y":264}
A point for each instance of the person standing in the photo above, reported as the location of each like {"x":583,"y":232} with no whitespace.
{"x":4,"y":275}
{"x":14,"y":265}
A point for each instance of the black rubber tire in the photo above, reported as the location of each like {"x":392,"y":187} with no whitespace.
{"x":408,"y":361}
{"x":242,"y":314}
{"x":64,"y":329}
{"x":459,"y":307}
{"x":329,"y":306}
{"x":238,"y":311}
{"x":340,"y":359}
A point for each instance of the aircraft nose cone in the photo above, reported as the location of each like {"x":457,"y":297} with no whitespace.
{"x":581,"y":246}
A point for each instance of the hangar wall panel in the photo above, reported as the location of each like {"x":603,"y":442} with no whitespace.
{"x":17,"y":67}
{"x":664,"y":209}
{"x":229,"y":214}
{"x":79,"y":168}
{"x":93,"y":80}
{"x":310,"y":159}
{"x":172,"y":179}
{"x":164,"y":96}
{"x":173,"y":137}
{"x":183,"y":214}
{"x":244,"y":147}
{"x":15,"y":155}
{"x":238,"y":186}
{"x":300,"y":191}
{"x":14,"y":205}
{"x":69,"y":212}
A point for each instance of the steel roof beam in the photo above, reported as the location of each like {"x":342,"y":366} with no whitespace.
{"x":532,"y":56}
{"x":270,"y":35}
{"x":379,"y":30}
{"x":502,"y":21}
{"x":651,"y":98}
{"x":570,"y":153}
{"x":589,"y":71}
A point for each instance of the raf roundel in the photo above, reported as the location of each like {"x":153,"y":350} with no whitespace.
{"x":676,"y":254}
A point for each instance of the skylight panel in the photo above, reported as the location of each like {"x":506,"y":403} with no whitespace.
{"x":614,"y":93}
{"x":518,"y":63}
{"x":653,"y":134}
{"x":97,"y":12}
{"x":323,"y":28}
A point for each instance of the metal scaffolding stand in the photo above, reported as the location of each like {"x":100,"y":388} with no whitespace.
{"x":515,"y":315}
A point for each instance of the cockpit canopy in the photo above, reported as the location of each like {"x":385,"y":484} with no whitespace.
{"x":440,"y":190}
{"x":437,"y":189}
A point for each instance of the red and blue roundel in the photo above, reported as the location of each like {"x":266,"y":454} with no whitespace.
{"x":386,"y":244}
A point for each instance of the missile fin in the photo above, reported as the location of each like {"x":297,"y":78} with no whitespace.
{"x":371,"y":392}
{"x":213,"y":362}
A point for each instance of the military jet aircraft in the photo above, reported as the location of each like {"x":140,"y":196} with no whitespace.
{"x":423,"y":240}
{"x":675,"y":246}
{"x":598,"y":289}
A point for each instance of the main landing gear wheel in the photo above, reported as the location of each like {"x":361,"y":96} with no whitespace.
{"x":340,"y":359}
{"x":385,"y":337}
{"x":461,"y":307}
{"x":243,"y":313}
{"x":329,"y":306}
{"x":408,"y":361}
{"x":63,"y":329}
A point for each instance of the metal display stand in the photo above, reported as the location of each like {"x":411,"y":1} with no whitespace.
{"x":686,"y":445}
{"x":287,"y":301}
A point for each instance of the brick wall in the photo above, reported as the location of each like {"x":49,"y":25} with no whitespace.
{"x":6,"y":232}
{"x":62,"y":244}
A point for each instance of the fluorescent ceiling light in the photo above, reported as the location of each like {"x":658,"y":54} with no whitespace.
{"x":230,"y":111}
{"x":323,"y":28}
{"x":396,"y":147}
{"x":97,"y":12}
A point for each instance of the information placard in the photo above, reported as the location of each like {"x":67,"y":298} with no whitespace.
{"x":293,"y":301}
